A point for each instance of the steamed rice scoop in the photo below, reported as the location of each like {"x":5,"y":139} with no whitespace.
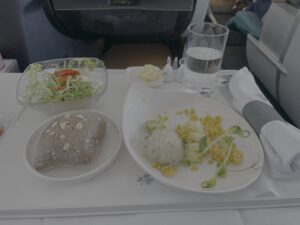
{"x":163,"y":148}
{"x":70,"y":140}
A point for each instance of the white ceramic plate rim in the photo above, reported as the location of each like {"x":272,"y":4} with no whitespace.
{"x":81,"y":177}
{"x":160,"y":178}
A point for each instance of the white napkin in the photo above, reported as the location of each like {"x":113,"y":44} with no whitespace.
{"x":281,"y":141}
{"x":244,"y":89}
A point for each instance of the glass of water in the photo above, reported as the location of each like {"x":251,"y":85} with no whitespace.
{"x":203,"y":56}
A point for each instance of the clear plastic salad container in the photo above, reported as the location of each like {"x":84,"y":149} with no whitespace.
{"x":62,"y":84}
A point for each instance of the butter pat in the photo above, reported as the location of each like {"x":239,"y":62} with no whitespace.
{"x":150,"y":73}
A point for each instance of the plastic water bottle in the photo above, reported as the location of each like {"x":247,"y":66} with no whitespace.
{"x":2,"y":65}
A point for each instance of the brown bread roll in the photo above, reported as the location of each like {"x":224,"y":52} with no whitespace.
{"x":70,"y":140}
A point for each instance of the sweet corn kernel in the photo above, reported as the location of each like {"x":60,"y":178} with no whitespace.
{"x":212,"y":126}
{"x":166,"y":170}
{"x":194,"y":168}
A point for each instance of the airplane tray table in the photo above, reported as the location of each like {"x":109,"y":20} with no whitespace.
{"x":122,"y":188}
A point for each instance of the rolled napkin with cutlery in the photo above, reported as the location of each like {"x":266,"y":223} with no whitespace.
{"x":281,"y":140}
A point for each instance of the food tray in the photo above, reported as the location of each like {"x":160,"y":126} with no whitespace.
{"x":123,"y":187}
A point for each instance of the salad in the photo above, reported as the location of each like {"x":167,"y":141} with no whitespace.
{"x":202,"y":138}
{"x":71,"y":81}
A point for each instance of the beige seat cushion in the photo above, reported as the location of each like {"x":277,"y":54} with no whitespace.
{"x":121,"y":56}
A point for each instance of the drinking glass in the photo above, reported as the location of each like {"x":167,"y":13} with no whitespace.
{"x":203,"y":56}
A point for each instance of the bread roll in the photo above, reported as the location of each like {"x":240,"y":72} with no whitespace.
{"x":70,"y":140}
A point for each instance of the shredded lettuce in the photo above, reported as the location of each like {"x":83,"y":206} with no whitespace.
{"x":44,"y":86}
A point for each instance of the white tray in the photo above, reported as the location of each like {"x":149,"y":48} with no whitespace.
{"x":122,"y":188}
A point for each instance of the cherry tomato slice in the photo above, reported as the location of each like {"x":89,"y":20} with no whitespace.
{"x":66,"y":72}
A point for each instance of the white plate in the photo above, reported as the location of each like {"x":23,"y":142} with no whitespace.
{"x":132,"y":77}
{"x":109,"y":150}
{"x":143,"y":103}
